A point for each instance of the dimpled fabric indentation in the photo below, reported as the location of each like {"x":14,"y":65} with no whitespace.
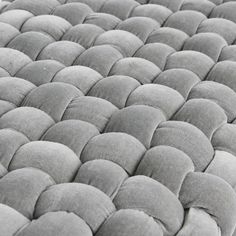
{"x":117,"y":118}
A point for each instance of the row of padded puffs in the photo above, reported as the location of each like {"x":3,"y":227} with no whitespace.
{"x":181,"y":135}
{"x":190,"y":30}
{"x":109,"y":160}
{"x":123,"y":9}
{"x":155,"y":229}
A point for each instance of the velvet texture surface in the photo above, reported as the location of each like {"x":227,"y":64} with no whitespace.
{"x":117,"y":118}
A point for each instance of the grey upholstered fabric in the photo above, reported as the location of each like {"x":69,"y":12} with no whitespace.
{"x":117,"y":118}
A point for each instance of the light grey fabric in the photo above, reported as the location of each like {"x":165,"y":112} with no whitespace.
{"x":73,"y":133}
{"x":35,"y":42}
{"x":126,"y":42}
{"x":120,"y":148}
{"x":130,"y":222}
{"x":188,"y":139}
{"x":82,"y":77}
{"x":146,"y":121}
{"x":56,"y":223}
{"x":40,"y":72}
{"x":202,"y":113}
{"x":100,"y":58}
{"x":46,"y":95}
{"x":102,"y":174}
{"x":21,"y":188}
{"x":96,"y":111}
{"x":87,"y":202}
{"x":56,"y":159}
{"x":117,"y":118}
{"x":115,"y":89}
{"x":167,"y":165}
{"x":11,"y":220}
{"x":162,"y":204}
{"x":208,"y":188}
{"x":27,"y":120}
{"x":140,"y":69}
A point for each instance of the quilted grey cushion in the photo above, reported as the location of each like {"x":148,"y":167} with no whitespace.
{"x":117,"y":118}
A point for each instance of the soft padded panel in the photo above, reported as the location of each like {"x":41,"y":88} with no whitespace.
{"x":102,"y":174}
{"x":3,"y":171}
{"x":95,"y":5}
{"x":82,"y":77}
{"x":7,"y":33}
{"x":172,"y":5}
{"x":5,"y":107}
{"x":10,"y":141}
{"x":219,"y":93}
{"x":156,"y":12}
{"x":117,"y":117}
{"x":85,"y":201}
{"x":209,"y":188}
{"x":3,"y":73}
{"x":120,"y":148}
{"x":158,"y":96}
{"x":228,"y":53}
{"x":156,"y":53}
{"x":205,"y":114}
{"x":130,"y":222}
{"x":181,"y":80}
{"x":14,"y":89}
{"x":36,"y":7}
{"x":63,"y":51}
{"x":224,"y":138}
{"x":56,"y":223}
{"x":75,"y":13}
{"x":223,"y":27}
{"x":96,"y":111}
{"x":3,"y":5}
{"x":100,"y":58}
{"x":12,"y":60}
{"x":167,"y":165}
{"x":146,"y":121}
{"x":198,"y":222}
{"x":224,"y":73}
{"x":225,"y":10}
{"x":217,"y":2}
{"x":132,"y":195}
{"x":52,"y":25}
{"x":75,"y":134}
{"x":122,"y":8}
{"x":40,"y":72}
{"x":140,"y":69}
{"x":186,"y":21}
{"x":197,"y":62}
{"x":188,"y":139}
{"x":203,"y":6}
{"x":30,"y":121}
{"x":126,"y":42}
{"x":210,"y":44}
{"x":57,"y":160}
{"x":52,"y":98}
{"x":139,"y":26}
{"x":16,"y":18}
{"x":172,"y":37}
{"x":30,"y":43}
{"x":115,"y":89}
{"x":223,"y":165}
{"x":11,"y":220}
{"x":84,"y":34}
{"x":103,"y":20}
{"x":21,"y":188}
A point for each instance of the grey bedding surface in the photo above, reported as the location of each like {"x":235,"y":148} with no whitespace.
{"x":117,"y":118}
